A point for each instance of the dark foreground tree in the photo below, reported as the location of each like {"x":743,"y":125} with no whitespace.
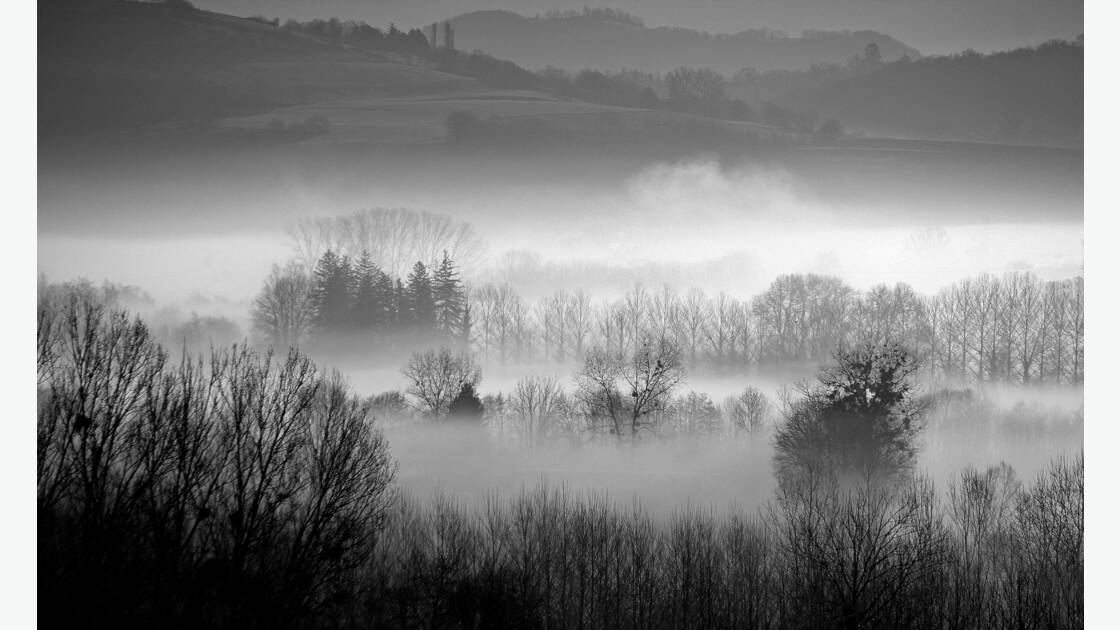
{"x":237,"y":490}
{"x":862,"y":418}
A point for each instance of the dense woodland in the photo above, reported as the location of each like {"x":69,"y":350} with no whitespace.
{"x":344,"y":301}
{"x":240,"y":489}
{"x":194,"y":473}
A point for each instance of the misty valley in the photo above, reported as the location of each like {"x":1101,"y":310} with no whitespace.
{"x":556,"y":321}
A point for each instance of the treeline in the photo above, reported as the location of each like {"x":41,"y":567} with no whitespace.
{"x":344,"y":301}
{"x":991,"y":554}
{"x":644,"y":396}
{"x":1015,"y":329}
{"x":169,"y":326}
{"x":699,"y":91}
{"x":613,"y":40}
{"x":233,"y":489}
{"x":1028,"y":95}
{"x":356,"y":33}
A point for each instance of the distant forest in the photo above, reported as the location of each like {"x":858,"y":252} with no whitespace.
{"x":614,"y":40}
{"x":1015,"y":329}
{"x":1029,"y":95}
{"x":690,"y":90}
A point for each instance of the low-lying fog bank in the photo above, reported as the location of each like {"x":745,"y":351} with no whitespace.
{"x":719,"y":224}
{"x":1024,"y":428}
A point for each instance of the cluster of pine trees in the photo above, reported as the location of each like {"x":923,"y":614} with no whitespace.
{"x":357,"y":297}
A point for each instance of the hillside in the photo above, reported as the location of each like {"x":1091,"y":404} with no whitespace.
{"x":619,"y":41}
{"x":112,"y":66}
{"x":126,"y":64}
{"x":1025,"y":96}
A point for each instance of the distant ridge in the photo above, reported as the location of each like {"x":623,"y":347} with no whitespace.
{"x":613,"y":40}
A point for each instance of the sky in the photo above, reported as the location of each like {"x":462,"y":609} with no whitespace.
{"x":931,"y":26}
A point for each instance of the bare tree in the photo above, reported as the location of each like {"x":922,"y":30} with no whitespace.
{"x":857,"y":557}
{"x":537,"y":401}
{"x":749,"y":411}
{"x":394,"y":237}
{"x":650,"y":375}
{"x":235,"y":469}
{"x":692,"y":323}
{"x":283,"y":311}
{"x":597,"y":386}
{"x":437,"y":376}
{"x":577,"y":316}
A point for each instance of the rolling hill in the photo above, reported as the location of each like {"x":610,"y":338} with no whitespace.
{"x":1025,"y":96}
{"x":126,"y":64}
{"x":616,"y":41}
{"x":114,"y":66}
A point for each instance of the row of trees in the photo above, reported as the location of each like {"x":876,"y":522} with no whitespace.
{"x":357,"y":33}
{"x":541,"y":409}
{"x":345,"y":300}
{"x":1016,"y":328}
{"x":821,"y":555}
{"x":1013,"y":329}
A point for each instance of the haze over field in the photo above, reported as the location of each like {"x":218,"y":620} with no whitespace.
{"x":529,"y":314}
{"x":860,"y":224}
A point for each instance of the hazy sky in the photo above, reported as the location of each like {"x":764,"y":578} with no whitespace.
{"x":931,"y":26}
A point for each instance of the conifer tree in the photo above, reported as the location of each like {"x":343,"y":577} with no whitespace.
{"x":387,"y":300}
{"x":368,"y":308}
{"x":402,"y":310}
{"x":332,"y":293}
{"x":448,"y":297}
{"x":422,"y":305}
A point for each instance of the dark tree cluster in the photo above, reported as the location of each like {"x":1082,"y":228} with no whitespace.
{"x":234,"y":490}
{"x":821,"y":555}
{"x":360,"y":34}
{"x":1028,"y":95}
{"x":862,"y":419}
{"x":350,"y":298}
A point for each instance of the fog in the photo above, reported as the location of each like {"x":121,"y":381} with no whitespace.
{"x":721,"y":223}
{"x":772,"y":317}
{"x":717,"y":474}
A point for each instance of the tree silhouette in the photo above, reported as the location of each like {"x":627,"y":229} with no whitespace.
{"x":466,"y":405}
{"x":861,"y":419}
{"x":448,"y":298}
{"x":332,"y":294}
{"x":421,"y":303}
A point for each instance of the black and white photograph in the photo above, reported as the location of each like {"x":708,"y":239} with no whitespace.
{"x":559,"y":314}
